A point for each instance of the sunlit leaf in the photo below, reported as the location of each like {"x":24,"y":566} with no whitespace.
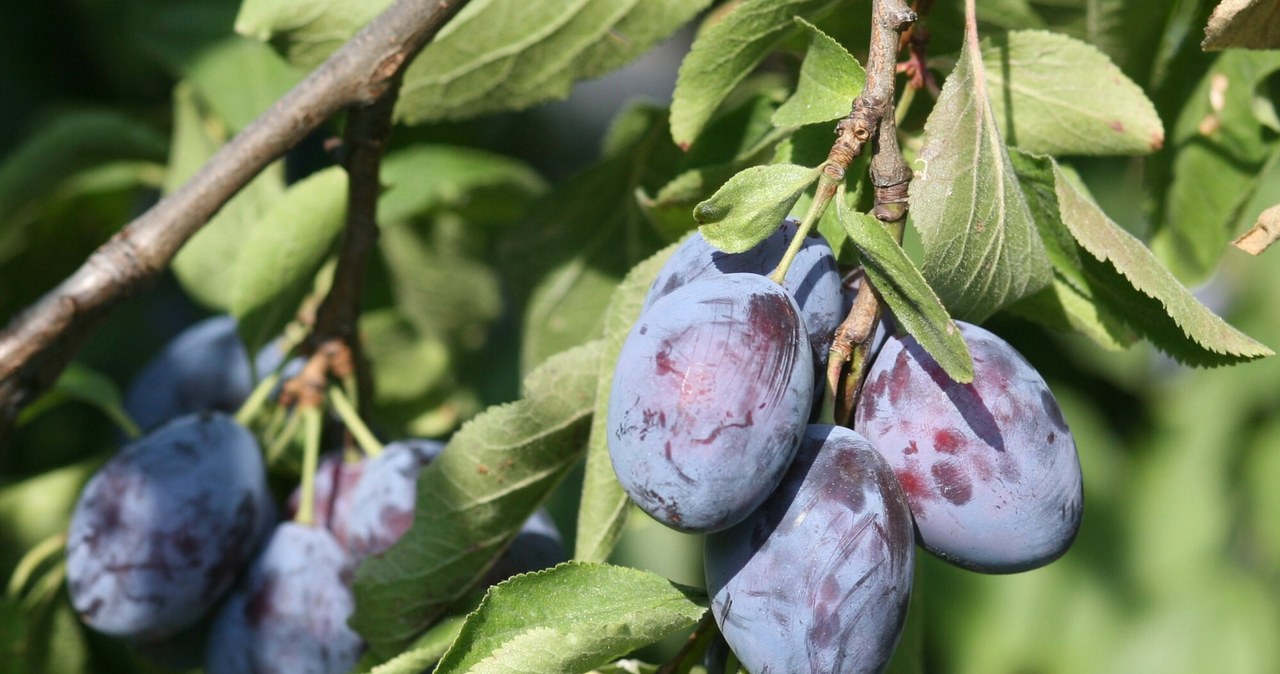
{"x":725,"y":53}
{"x":830,"y":78}
{"x":981,"y":248}
{"x":1054,"y":94}
{"x":571,"y":618}
{"x":749,"y":207}
{"x":493,"y":474}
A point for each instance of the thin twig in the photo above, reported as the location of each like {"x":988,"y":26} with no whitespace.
{"x":38,"y":343}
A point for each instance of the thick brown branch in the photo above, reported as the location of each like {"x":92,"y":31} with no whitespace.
{"x":38,"y":343}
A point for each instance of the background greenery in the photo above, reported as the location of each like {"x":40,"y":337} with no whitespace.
{"x":106,"y":103}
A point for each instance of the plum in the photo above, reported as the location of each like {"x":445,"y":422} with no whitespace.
{"x":812,"y":279}
{"x":335,"y":481}
{"x":203,"y":368}
{"x":710,"y":396}
{"x":818,"y":579}
{"x":160,"y":531}
{"x":289,"y":614}
{"x":385,"y":497}
{"x":989,"y":468}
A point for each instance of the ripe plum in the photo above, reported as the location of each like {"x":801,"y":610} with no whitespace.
{"x":709,"y":400}
{"x":161,"y":530}
{"x":818,"y":579}
{"x":990,"y":468}
{"x":289,"y":614}
{"x":384,"y":499}
{"x":812,"y":279}
{"x":335,"y":481}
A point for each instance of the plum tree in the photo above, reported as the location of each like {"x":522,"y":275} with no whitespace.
{"x":709,"y":399}
{"x":161,"y":530}
{"x":819,"y":577}
{"x":990,"y":468}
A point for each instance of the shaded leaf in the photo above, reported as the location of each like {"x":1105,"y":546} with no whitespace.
{"x":1054,"y":94}
{"x":915,"y":308}
{"x":748,"y":207}
{"x":1251,"y":24}
{"x":473,"y":499}
{"x":1063,"y":306}
{"x":406,"y":365}
{"x":66,"y":145}
{"x":725,"y":53}
{"x":423,"y":179}
{"x":80,"y":382}
{"x":830,"y":78}
{"x":604,"y":505}
{"x":572,"y":618}
{"x":206,"y":263}
{"x":981,"y":250}
{"x":584,"y":236}
{"x":495,"y":55}
{"x":426,"y":651}
{"x":282,"y":253}
{"x":1206,"y":338}
{"x":1220,"y":147}
{"x":1261,"y":235}
{"x":240,"y":78}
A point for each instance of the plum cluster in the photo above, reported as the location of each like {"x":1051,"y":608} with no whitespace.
{"x":811,"y":529}
{"x":176,"y":543}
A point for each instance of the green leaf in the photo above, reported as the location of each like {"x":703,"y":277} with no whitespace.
{"x":426,"y":651}
{"x":904,"y":289}
{"x":39,"y":507}
{"x":66,"y":145}
{"x":406,"y":364}
{"x":495,"y":55}
{"x":443,"y":292}
{"x":748,"y":207}
{"x":1205,"y":338}
{"x":80,"y":382}
{"x":981,"y":251}
{"x":424,"y":179}
{"x":206,"y":264}
{"x":1054,"y":94}
{"x":1220,"y":147}
{"x":584,"y":236}
{"x":1248,"y":24}
{"x":572,"y":618}
{"x":604,"y":505}
{"x":473,"y":499}
{"x":725,"y":53}
{"x":282,"y":253}
{"x":240,"y":78}
{"x":830,"y":78}
{"x":305,"y":30}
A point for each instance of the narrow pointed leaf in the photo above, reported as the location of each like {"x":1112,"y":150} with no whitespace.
{"x":981,"y":249}
{"x":472,"y":500}
{"x":1058,"y":95}
{"x":1206,"y":338}
{"x":749,"y":207}
{"x":604,"y":504}
{"x":830,"y":78}
{"x":572,"y":618}
{"x":725,"y":53}
{"x":908,"y":295}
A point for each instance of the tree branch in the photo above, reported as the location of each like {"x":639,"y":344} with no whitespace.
{"x":39,"y":342}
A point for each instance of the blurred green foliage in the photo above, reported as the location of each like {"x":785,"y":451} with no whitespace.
{"x":1177,"y":565}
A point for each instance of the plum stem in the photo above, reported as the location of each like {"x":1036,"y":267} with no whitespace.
{"x":282,"y":440}
{"x":351,"y":419}
{"x":826,"y":187}
{"x":253,"y":406}
{"x":313,"y":427}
